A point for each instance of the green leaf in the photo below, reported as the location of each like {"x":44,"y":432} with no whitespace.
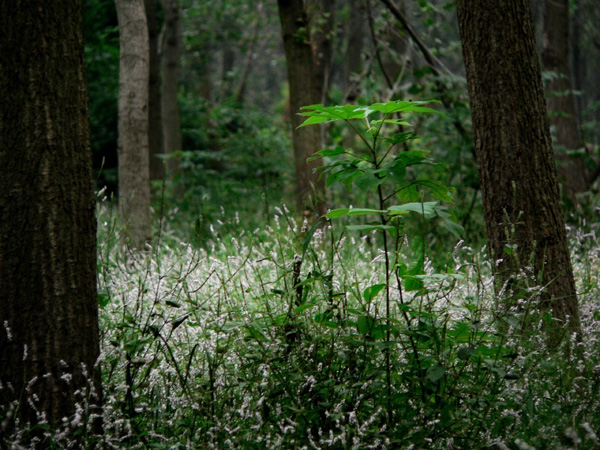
{"x":435,"y":373}
{"x":399,"y":122}
{"x":103,"y":298}
{"x":465,"y":353}
{"x":412,"y":283}
{"x":173,"y":304}
{"x":369,"y":180}
{"x":341,"y":212}
{"x":304,"y":307}
{"x":371,"y":292}
{"x":328,"y":152}
{"x":427,"y":209}
{"x":367,"y":228}
{"x":438,"y":190}
{"x":365,"y":324}
{"x":402,"y":106}
{"x":319,"y":114}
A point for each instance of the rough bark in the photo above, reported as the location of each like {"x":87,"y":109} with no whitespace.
{"x":134,"y":172}
{"x":155,"y":133}
{"x":514,"y":153}
{"x":560,"y":99}
{"x":296,"y":40}
{"x":48,"y":301}
{"x":170,"y":51}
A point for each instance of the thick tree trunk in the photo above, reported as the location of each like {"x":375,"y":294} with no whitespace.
{"x":155,"y":133}
{"x":169,"y":52}
{"x":48,"y":301}
{"x":296,"y":40}
{"x":560,"y":99}
{"x":134,"y":172}
{"x":514,"y":153}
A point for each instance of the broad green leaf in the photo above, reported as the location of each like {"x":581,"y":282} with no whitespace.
{"x":438,"y":190}
{"x":341,"y":212}
{"x":371,"y":292}
{"x":435,"y":373}
{"x":427,"y":209}
{"x":402,"y":106}
{"x":373,"y":227}
{"x":365,"y":324}
{"x":412,"y":283}
{"x":369,"y":180}
{"x":453,"y":227}
{"x":465,"y":353}
{"x":391,"y":122}
{"x":328,"y":152}
{"x":319,"y":114}
{"x":304,"y":307}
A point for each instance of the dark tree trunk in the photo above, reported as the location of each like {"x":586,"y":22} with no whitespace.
{"x":301,"y":78}
{"x":169,"y":55}
{"x":155,"y":134}
{"x":560,"y":99}
{"x":48,"y":301}
{"x":514,"y":152}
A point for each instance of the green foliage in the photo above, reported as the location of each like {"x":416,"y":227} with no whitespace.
{"x":101,"y":38}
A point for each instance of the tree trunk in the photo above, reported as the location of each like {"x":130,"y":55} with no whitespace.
{"x":514,"y":153}
{"x":560,"y":99}
{"x":356,"y":37}
{"x":48,"y":301}
{"x":155,"y":133}
{"x":323,"y":29}
{"x":170,"y":51}
{"x":296,"y":40}
{"x":134,"y":172}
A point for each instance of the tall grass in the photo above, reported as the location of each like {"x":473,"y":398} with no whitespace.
{"x":276,"y":338}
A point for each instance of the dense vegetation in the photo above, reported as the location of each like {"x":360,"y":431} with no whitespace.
{"x":247,"y":324}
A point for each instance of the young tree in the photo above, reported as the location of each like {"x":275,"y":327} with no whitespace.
{"x":303,"y":92}
{"x":524,"y":221}
{"x":48,"y":300}
{"x":134,"y":172}
{"x":170,"y":49}
{"x":560,"y":99}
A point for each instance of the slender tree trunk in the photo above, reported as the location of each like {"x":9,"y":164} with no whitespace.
{"x":134,"y":172}
{"x":560,"y":99}
{"x":296,"y":40}
{"x":240,"y":94}
{"x":155,"y":132}
{"x":356,"y":37}
{"x":323,"y":29}
{"x":48,"y":301}
{"x":170,"y":51}
{"x":525,"y":224}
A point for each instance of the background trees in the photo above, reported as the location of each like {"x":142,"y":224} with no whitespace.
{"x":306,"y":86}
{"x":48,"y":302}
{"x":134,"y":79}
